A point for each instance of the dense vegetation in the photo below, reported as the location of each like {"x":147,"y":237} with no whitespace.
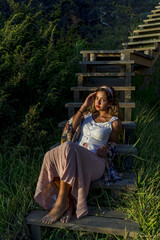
{"x":39,"y":52}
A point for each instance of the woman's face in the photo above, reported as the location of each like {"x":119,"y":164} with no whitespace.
{"x":101,"y":103}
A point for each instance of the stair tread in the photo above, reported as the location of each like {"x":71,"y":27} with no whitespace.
{"x":149,"y":25}
{"x":151,"y":20}
{"x":107,"y":74}
{"x":154,"y":11}
{"x":141,"y":42}
{"x":127,"y":183}
{"x":145,"y":48}
{"x":145,"y":36}
{"x":121,"y":104}
{"x":90,"y":223}
{"x":106,"y":62}
{"x":117,"y":88}
{"x":126,"y":125}
{"x":146,"y":30}
{"x":106,"y":51}
{"x":153,"y":15}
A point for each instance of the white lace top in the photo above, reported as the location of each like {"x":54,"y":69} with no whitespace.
{"x":93,"y":135}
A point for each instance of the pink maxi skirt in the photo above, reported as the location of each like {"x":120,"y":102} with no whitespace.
{"x":74,"y":165}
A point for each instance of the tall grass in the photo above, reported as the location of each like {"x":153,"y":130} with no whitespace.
{"x":19,"y":170}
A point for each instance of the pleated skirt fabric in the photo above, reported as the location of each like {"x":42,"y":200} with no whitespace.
{"x":76,"y":166}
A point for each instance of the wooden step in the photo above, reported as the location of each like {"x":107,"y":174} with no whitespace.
{"x":126,"y":125}
{"x":128,"y":183}
{"x":146,"y":49}
{"x":155,"y":11}
{"x":155,"y":35}
{"x":106,"y":62}
{"x":145,"y":60}
{"x":151,"y":20}
{"x":147,"y":30}
{"x":105,"y":74}
{"x":149,"y":25}
{"x":121,"y":104}
{"x":92,"y":89}
{"x":154,"y":15}
{"x":106,"y":222}
{"x":151,"y":42}
{"x":157,"y":7}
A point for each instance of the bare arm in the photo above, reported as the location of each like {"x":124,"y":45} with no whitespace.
{"x":79,"y":115}
{"x":116,"y":129}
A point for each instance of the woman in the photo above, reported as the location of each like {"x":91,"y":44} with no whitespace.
{"x":68,"y":169}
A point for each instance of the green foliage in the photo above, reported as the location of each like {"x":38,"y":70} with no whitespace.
{"x":37,"y":65}
{"x":38,"y":62}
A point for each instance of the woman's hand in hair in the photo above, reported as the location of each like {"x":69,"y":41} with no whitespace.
{"x":89,"y":100}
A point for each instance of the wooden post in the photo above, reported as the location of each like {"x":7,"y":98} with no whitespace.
{"x":80,"y":80}
{"x":76,"y":96}
{"x":85,"y":57}
{"x":35,"y":232}
{"x":71,"y":112}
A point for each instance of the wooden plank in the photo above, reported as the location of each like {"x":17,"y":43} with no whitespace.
{"x":99,"y":224}
{"x":105,"y":74}
{"x":140,"y":54}
{"x":35,"y":232}
{"x":105,"y":212}
{"x":106,"y":62}
{"x":147,"y":30}
{"x":145,"y":36}
{"x":157,"y":7}
{"x":107,"y":82}
{"x":151,"y":20}
{"x":141,"y":42}
{"x":121,"y":104}
{"x":144,"y":49}
{"x":149,"y":25}
{"x":124,"y":184}
{"x":125,"y":125}
{"x":155,"y":11}
{"x":105,"y":51}
{"x":127,"y":149}
{"x":154,"y":15}
{"x":92,"y":89}
{"x":141,"y":60}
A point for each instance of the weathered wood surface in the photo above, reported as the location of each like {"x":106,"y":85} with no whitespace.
{"x":128,"y":183}
{"x":106,"y":51}
{"x":149,"y":25}
{"x":105,"y":74}
{"x":126,"y":125}
{"x":106,"y":62}
{"x":154,"y":15}
{"x":151,"y":20}
{"x":101,"y":224}
{"x":141,"y":60}
{"x":147,"y":30}
{"x":143,"y":36}
{"x":92,"y":89}
{"x":142,"y":42}
{"x":121,"y":104}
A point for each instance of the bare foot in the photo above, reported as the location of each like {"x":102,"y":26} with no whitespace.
{"x":55,"y":213}
{"x":68,"y":214}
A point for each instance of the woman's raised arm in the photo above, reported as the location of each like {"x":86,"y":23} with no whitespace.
{"x":80,"y":113}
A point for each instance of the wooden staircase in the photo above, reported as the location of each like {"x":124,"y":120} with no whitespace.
{"x":113,"y":68}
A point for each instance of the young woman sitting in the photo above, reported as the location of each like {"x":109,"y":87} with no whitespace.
{"x":68,"y":169}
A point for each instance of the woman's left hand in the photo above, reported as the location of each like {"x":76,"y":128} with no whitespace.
{"x":102,"y":151}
